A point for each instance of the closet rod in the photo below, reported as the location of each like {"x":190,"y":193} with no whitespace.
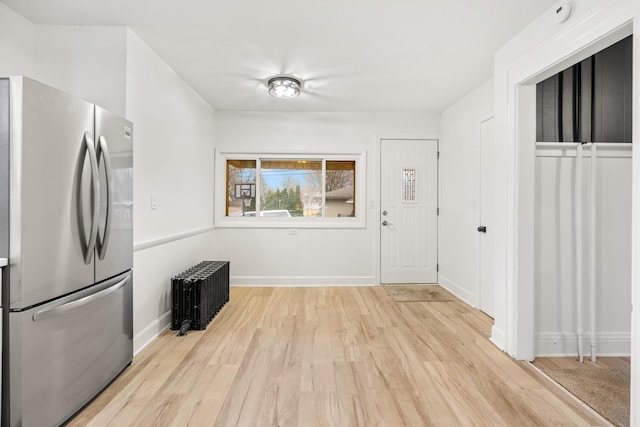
{"x":568,"y":149}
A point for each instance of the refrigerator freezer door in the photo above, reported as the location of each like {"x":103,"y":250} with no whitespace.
{"x":114,"y":144}
{"x":50,"y":193}
{"x":64,"y":352}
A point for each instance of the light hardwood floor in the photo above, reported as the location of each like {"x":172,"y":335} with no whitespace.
{"x":332,"y":356}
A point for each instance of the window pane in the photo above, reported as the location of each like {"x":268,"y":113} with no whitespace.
{"x":241,"y":187}
{"x":409,"y":185}
{"x":340,"y":188}
{"x":291,"y":188}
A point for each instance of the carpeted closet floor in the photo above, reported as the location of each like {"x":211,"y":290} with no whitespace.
{"x":604,"y":385}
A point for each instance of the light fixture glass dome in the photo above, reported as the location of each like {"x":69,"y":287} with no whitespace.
{"x":284,"y":87}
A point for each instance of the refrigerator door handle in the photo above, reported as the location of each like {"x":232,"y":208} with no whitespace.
{"x":102,"y":152}
{"x":61,"y":309}
{"x":93,"y":160}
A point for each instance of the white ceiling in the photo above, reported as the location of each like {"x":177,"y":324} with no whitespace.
{"x":353,"y":55}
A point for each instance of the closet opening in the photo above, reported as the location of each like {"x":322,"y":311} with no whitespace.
{"x":579,"y":227}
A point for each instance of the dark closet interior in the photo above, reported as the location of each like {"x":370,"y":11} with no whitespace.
{"x":590,"y":101}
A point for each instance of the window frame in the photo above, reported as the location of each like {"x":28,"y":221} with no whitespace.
{"x":221,"y":220}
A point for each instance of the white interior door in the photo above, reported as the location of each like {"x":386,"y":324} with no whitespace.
{"x":408,"y":216}
{"x":486,"y":227}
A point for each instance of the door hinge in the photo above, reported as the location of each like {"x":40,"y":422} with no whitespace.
{"x":437,"y":268}
{"x":438,"y":157}
{"x":437,"y":211}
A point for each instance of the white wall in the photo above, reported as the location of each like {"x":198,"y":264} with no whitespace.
{"x":555,"y":256}
{"x":89,"y":62}
{"x":173,"y":158}
{"x":17,"y":44}
{"x":458,"y":254}
{"x":313,"y":256}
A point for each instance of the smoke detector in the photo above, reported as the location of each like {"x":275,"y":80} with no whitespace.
{"x":562,"y":10}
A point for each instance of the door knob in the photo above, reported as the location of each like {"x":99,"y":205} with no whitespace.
{"x":385,"y":223}
{"x":482,"y":229}
{"x":384,"y":213}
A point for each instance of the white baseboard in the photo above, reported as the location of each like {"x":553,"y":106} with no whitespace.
{"x":498,"y":338}
{"x":458,"y":291}
{"x":302,"y":281}
{"x":151,"y":332}
{"x":559,"y":344}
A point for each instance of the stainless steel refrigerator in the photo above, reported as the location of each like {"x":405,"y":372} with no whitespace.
{"x":66,"y":222}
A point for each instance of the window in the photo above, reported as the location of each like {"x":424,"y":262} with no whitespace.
{"x":291,"y":185}
{"x":340,"y":185}
{"x":296,"y":191}
{"x":241,"y":180}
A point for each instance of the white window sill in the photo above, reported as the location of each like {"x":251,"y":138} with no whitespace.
{"x":300,"y":223}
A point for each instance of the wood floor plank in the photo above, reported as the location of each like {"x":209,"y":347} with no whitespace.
{"x":333,"y":356}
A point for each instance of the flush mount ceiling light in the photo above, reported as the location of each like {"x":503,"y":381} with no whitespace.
{"x":284,"y":86}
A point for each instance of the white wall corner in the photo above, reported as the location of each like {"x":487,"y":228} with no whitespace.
{"x":460,"y":291}
{"x":86,"y":61}
{"x":498,"y":337}
{"x":151,"y":332}
{"x":17,"y":44}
